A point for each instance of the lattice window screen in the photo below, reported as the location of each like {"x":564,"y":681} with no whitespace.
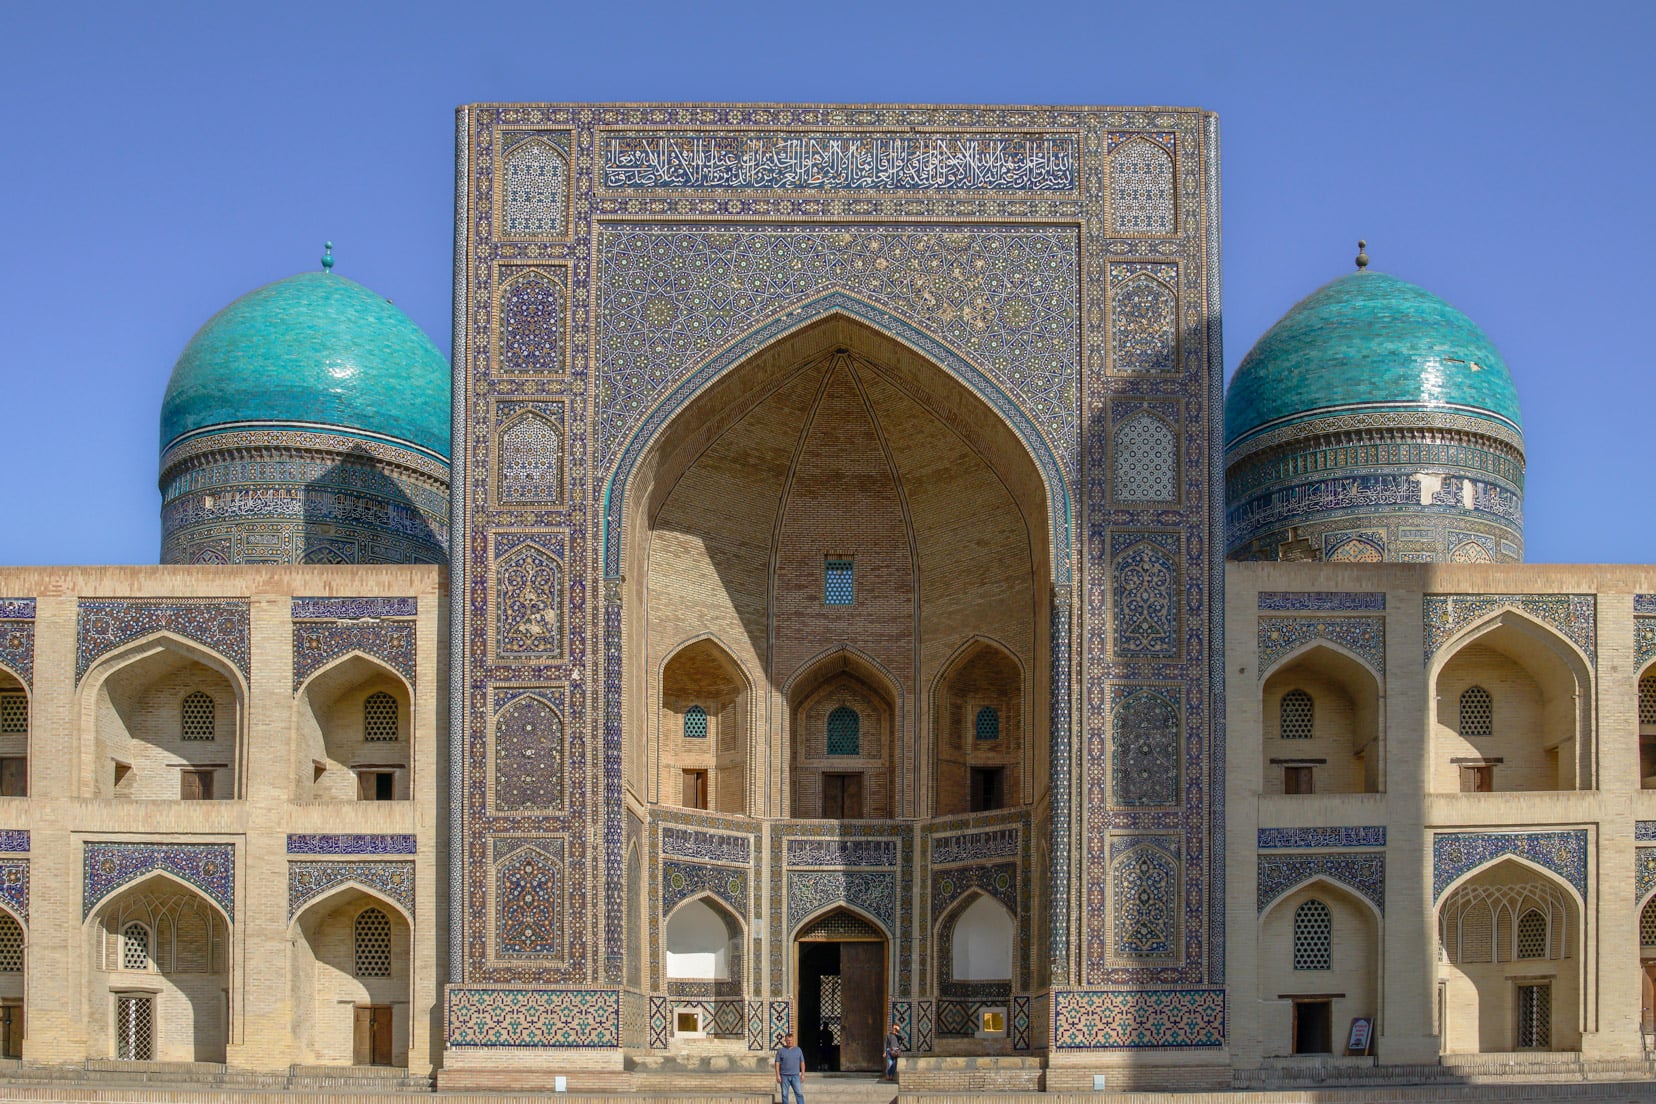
{"x":1313,"y":937}
{"x":1647,"y":925}
{"x":11,"y":946}
{"x":373,"y":944}
{"x":1297,"y":714}
{"x":1477,"y":712}
{"x":14,"y":711}
{"x":844,"y":730}
{"x":987,"y":725}
{"x":838,"y":582}
{"x":135,"y":1029}
{"x":1647,"y":700}
{"x":197,"y":716}
{"x":1532,"y":935}
{"x":135,"y":947}
{"x":695,"y":723}
{"x":379,"y":718}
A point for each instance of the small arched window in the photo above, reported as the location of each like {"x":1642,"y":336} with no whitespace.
{"x":135,"y":947}
{"x":1532,"y":935}
{"x":11,"y":945}
{"x":379,"y":717}
{"x":1477,"y":712}
{"x":1647,"y":700}
{"x":196,"y":716}
{"x":987,"y":725}
{"x":695,"y":723}
{"x":1297,"y":713}
{"x":1313,"y":936}
{"x":14,"y":712}
{"x":844,"y":732}
{"x":373,"y":943}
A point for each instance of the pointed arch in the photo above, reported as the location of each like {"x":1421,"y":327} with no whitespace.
{"x":535,"y":190}
{"x":981,"y":674}
{"x":1324,"y":882}
{"x":1145,"y":896}
{"x":820,"y":912}
{"x":530,"y":460}
{"x":92,"y":910}
{"x":1347,"y":715}
{"x":528,"y":756}
{"x":335,"y":895}
{"x":1145,"y":467}
{"x":337,"y":752}
{"x":529,"y":590}
{"x":1523,"y":862}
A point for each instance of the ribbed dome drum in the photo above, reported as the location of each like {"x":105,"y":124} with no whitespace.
{"x":1374,"y":422}
{"x":306,"y":422}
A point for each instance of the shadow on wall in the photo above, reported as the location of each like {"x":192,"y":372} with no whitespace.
{"x":356,"y":494}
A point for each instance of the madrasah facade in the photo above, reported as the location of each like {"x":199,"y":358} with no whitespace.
{"x":831,"y":587}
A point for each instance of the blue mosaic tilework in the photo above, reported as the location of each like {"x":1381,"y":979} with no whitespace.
{"x":533,"y":322}
{"x":1144,"y":890}
{"x":1644,"y":831}
{"x":309,"y":880}
{"x":1364,"y":637}
{"x":692,"y":843}
{"x":1573,"y":615}
{"x":530,"y":887}
{"x":1645,"y":604}
{"x":781,"y":1021}
{"x":17,"y":609}
{"x":1365,"y":873}
{"x":528,"y":599}
{"x":680,"y":880}
{"x":1363,"y":836}
{"x":661,"y":1024}
{"x":1564,"y":853}
{"x":875,"y":894}
{"x":17,"y":648}
{"x":14,"y":887}
{"x":1144,"y":316}
{"x":842,"y":852}
{"x":14,"y":841}
{"x":1144,"y":763}
{"x":999,"y":881}
{"x":924,"y":1029}
{"x":302,"y":843}
{"x":218,"y":624}
{"x":996,"y":843}
{"x":1644,"y":873}
{"x":318,"y":643}
{"x":1022,"y":1021}
{"x":209,"y":867}
{"x":575,"y":1018}
{"x":1150,"y":1019}
{"x":830,"y":161}
{"x":346,"y":609}
{"x":1145,"y":576}
{"x":902,"y":1014}
{"x":1644,"y":641}
{"x":1321,"y":601}
{"x":755,"y":1020}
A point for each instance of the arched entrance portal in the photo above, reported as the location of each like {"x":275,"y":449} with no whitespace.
{"x":840,"y":962}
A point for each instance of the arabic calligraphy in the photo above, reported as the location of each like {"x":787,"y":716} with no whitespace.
{"x":841,"y":162}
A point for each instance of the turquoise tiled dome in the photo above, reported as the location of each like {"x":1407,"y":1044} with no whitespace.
{"x":313,"y":350}
{"x":1368,"y":340}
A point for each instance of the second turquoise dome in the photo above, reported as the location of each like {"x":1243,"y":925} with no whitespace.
{"x":1368,"y":340}
{"x":313,"y":350}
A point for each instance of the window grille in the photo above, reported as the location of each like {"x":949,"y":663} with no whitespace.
{"x":838,"y":582}
{"x":844,"y":729}
{"x":1532,"y":935}
{"x":197,"y":716}
{"x":987,"y":725}
{"x":1647,"y":700}
{"x":1534,"y":1017}
{"x":135,"y":1029}
{"x":379,"y":718}
{"x":695,"y":723}
{"x":1313,"y":936}
{"x":1296,"y":714}
{"x":135,"y":947}
{"x":14,"y":711}
{"x":11,"y":946}
{"x":373,"y":944}
{"x":1477,"y":712}
{"x":1647,"y":925}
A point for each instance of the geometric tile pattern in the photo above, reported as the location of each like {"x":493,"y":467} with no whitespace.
{"x":1324,"y":601}
{"x":1146,"y":460}
{"x":681,"y":880}
{"x":1145,"y":756}
{"x":1363,"y":872}
{"x":478,"y":1017}
{"x":529,"y":890}
{"x":1149,"y":1019}
{"x":1562,"y":852}
{"x":1144,"y":312}
{"x":17,"y":648}
{"x":209,"y":867}
{"x":1364,"y":836}
{"x":300,"y":843}
{"x":318,"y":643}
{"x":532,"y":324}
{"x":308,"y":880}
{"x":1364,"y":637}
{"x":902,"y":1014}
{"x":756,"y":1025}
{"x":14,"y":887}
{"x":660,"y":1023}
{"x":1573,"y":615}
{"x":529,"y":755}
{"x":1644,"y":873}
{"x":999,"y":881}
{"x":1644,"y":641}
{"x":219,"y":624}
{"x":1021,"y":1023}
{"x":1141,"y":183}
{"x":536,"y":180}
{"x":923,"y":1021}
{"x":874,"y":894}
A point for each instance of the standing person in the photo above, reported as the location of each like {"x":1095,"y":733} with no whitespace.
{"x":790,"y":1063}
{"x":893,"y":1050}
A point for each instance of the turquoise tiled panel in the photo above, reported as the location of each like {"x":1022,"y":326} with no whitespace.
{"x":1368,"y":338}
{"x":312,"y":349}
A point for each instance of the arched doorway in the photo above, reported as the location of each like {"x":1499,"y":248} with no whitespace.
{"x":350,"y":969}
{"x":840,"y":968}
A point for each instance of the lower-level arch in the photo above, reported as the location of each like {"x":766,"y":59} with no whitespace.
{"x":350,"y":968}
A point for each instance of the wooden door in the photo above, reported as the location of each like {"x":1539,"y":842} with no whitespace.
{"x":862,"y":1005}
{"x":371,"y":1035}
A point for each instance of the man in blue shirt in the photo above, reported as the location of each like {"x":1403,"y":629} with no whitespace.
{"x":790,"y":1063}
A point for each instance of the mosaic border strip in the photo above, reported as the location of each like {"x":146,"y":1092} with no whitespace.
{"x":348,"y":609}
{"x":309,"y":880}
{"x":1373,"y":835}
{"x":1150,"y":1019}
{"x":308,"y":843}
{"x":1322,"y":601}
{"x":220,"y":625}
{"x":1364,"y":872}
{"x":1562,"y":852}
{"x":108,"y":867}
{"x":1573,"y":615}
{"x":318,"y":643}
{"x":1365,"y":637}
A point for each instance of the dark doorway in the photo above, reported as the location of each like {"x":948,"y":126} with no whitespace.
{"x":1313,"y":1027}
{"x":842,"y":994}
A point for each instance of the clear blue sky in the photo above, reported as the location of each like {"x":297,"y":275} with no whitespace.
{"x":164,"y":158}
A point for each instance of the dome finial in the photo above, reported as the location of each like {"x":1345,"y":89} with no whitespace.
{"x":327,"y":256}
{"x":1362,"y":257}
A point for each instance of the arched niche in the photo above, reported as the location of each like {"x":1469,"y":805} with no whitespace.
{"x":702,"y":730}
{"x":353,"y":726}
{"x":162,"y":720}
{"x":349,"y":971}
{"x":158,"y":969}
{"x":1321,"y":725}
{"x":978,"y":728}
{"x":841,"y":733}
{"x":1537,"y":731}
{"x":1503,"y":989}
{"x":15,"y":714}
{"x":1319,"y":967}
{"x":702,"y":942}
{"x":976,"y":956}
{"x":1647,"y":728}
